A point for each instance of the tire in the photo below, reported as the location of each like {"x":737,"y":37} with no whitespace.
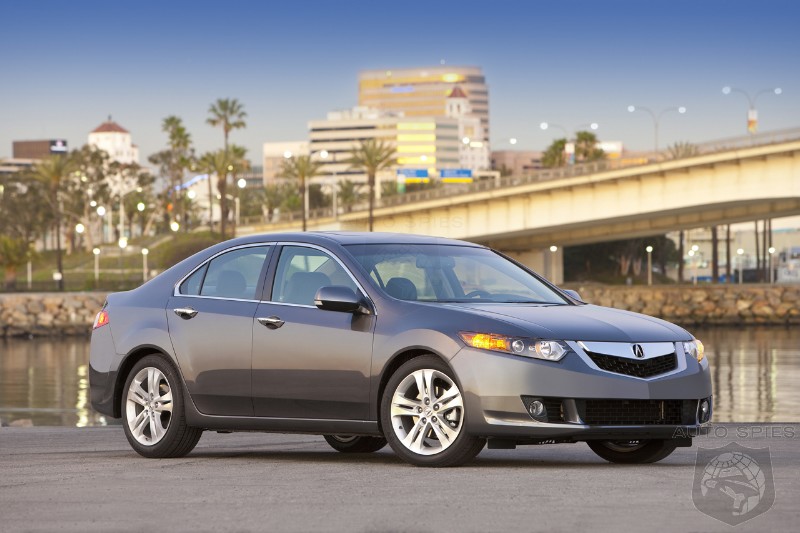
{"x":165,"y":434}
{"x":632,"y":452}
{"x":354,"y":444}
{"x":424,"y":386}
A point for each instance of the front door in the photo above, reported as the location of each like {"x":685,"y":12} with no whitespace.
{"x":310,"y":363}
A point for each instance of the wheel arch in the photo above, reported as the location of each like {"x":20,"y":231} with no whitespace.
{"x":136,"y":355}
{"x":398,"y":360}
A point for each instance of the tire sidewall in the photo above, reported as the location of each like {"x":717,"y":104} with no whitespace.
{"x":654,"y":451}
{"x":161,"y":448}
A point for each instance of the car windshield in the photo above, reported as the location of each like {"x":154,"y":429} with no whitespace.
{"x":450,"y":273}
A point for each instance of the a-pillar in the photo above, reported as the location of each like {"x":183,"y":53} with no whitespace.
{"x":543,"y":261}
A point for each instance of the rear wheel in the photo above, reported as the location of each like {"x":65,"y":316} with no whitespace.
{"x":632,"y":451}
{"x":423,"y":415}
{"x":152,"y":409}
{"x":355,"y":444}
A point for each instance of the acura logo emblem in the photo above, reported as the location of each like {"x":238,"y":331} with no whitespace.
{"x":638,"y":351}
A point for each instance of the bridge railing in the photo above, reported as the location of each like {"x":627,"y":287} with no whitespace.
{"x":545,"y":175}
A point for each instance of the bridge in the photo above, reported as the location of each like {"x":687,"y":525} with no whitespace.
{"x":729,"y":181}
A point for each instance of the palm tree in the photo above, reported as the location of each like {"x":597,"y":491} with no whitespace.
{"x":349,"y":193}
{"x":179,"y":157}
{"x":372,"y":156}
{"x":301,"y":168}
{"x":54,"y":171}
{"x":227,"y":113}
{"x":216,"y":163}
{"x":683,"y":149}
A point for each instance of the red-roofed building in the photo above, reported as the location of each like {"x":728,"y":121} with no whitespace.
{"x":116,"y":141}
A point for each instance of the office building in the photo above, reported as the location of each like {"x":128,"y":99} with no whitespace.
{"x":38,"y":149}
{"x":116,"y":141}
{"x":423,"y":92}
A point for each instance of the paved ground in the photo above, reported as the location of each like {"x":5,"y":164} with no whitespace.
{"x":70,"y":479}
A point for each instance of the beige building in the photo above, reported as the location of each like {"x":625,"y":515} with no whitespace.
{"x":116,"y":141}
{"x":423,"y":91}
{"x":516,"y":162}
{"x":275,"y":153}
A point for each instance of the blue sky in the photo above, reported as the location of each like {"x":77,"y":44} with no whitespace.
{"x":65,"y":66}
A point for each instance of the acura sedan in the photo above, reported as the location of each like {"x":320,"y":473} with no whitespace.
{"x":438,"y":347}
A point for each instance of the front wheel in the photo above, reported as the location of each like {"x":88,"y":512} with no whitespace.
{"x":152,"y":410}
{"x":423,"y":415}
{"x":632,"y":451}
{"x":355,"y":444}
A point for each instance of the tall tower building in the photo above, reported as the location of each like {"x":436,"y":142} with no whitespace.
{"x":424,"y":91}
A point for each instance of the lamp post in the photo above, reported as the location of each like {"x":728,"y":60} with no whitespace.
{"x":740,"y":252}
{"x":123,"y":243}
{"x":694,"y":266}
{"x":771,"y":251}
{"x":752,"y":113}
{"x":656,"y":118}
{"x":96,"y":252}
{"x":553,"y":250}
{"x":145,"y":252}
{"x":649,"y":251}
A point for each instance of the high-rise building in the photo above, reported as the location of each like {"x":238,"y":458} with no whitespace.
{"x":423,"y":92}
{"x":38,"y":149}
{"x":116,"y":141}
{"x":424,"y":145}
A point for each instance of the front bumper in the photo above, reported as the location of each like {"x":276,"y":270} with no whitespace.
{"x":498,"y":388}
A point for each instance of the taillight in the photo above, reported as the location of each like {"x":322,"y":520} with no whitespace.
{"x":101,"y":319}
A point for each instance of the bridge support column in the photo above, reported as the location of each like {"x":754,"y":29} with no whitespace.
{"x":543,"y":261}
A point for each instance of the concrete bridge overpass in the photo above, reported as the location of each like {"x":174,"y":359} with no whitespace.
{"x":739,"y":181}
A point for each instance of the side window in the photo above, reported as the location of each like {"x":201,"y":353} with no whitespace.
{"x":234,"y":274}
{"x":191,"y":285}
{"x":303,"y":271}
{"x":399,"y":273}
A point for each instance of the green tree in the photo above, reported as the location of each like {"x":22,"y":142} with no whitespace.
{"x":54,"y":171}
{"x":14,"y":252}
{"x":227,"y":113}
{"x":586,"y":150}
{"x":301,"y":168}
{"x":372,"y":156}
{"x":682,"y":149}
{"x":217,"y":164}
{"x":349,"y":194}
{"x":175,"y":160}
{"x":88,"y":182}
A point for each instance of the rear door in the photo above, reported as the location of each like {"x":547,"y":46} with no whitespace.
{"x":210,"y":318}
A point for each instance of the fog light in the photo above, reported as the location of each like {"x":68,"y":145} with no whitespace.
{"x":518,"y":346}
{"x":537,"y":410}
{"x":704,"y":411}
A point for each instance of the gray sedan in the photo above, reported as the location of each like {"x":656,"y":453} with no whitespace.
{"x":438,"y":347}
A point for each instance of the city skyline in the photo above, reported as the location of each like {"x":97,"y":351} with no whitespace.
{"x":67,"y":67}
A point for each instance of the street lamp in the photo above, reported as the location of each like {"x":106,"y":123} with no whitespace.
{"x":692,"y":253}
{"x":174,"y":226}
{"x":96,"y":252}
{"x":771,"y":251}
{"x":123,"y":243}
{"x":649,"y":251}
{"x":740,"y":252}
{"x":79,"y":228}
{"x":145,"y":251}
{"x":140,"y":206}
{"x":553,"y":250}
{"x":752,"y":114}
{"x":656,"y":118}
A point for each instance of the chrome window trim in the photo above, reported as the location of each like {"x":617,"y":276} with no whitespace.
{"x":176,"y":288}
{"x":335,"y":258}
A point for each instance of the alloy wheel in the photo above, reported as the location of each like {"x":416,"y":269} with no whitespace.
{"x":149,"y":405}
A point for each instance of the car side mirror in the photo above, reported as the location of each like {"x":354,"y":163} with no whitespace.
{"x":339,"y":298}
{"x":574,"y":294}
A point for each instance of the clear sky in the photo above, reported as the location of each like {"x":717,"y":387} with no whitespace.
{"x":65,"y":66}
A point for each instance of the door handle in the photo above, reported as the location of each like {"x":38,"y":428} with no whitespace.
{"x":272,"y":322}
{"x":185,"y":312}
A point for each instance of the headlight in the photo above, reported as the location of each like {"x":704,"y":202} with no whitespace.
{"x":536,"y":348}
{"x":695,"y":349}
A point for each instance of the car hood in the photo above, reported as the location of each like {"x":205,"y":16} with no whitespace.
{"x":581,"y":322}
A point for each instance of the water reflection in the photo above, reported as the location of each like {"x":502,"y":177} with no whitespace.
{"x":755,"y":372}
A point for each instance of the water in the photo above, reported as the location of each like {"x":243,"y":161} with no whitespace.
{"x":755,"y":372}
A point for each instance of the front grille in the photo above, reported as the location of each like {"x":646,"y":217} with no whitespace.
{"x":631,"y":367}
{"x":636,"y":412}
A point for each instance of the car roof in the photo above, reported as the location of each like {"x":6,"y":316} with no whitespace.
{"x":351,"y":237}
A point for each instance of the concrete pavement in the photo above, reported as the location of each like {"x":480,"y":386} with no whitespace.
{"x":71,"y":479}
